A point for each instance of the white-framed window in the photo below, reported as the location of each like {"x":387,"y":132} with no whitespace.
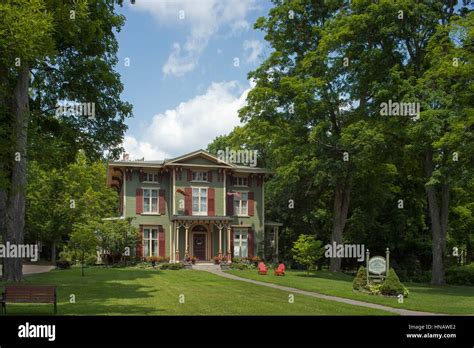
{"x":150,"y":177}
{"x":150,"y":241}
{"x":241,"y":237}
{"x":240,"y":181}
{"x":241,"y":204}
{"x":199,"y":176}
{"x":150,"y":201}
{"x":199,"y":201}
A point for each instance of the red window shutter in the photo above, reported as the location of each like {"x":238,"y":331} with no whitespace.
{"x":139,"y":201}
{"x":162,"y":202}
{"x":250,"y":243}
{"x":190,"y":175}
{"x":161,"y":241}
{"x":188,"y":201}
{"x":209,"y":176}
{"x":141,"y":175}
{"x":211,"y":202}
{"x":139,"y":250}
{"x":251,"y":204}
{"x":230,"y":205}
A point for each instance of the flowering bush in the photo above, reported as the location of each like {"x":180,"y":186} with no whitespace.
{"x":158,"y":259}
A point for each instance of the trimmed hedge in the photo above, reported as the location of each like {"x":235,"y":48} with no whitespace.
{"x":460,"y":275}
{"x":360,"y":281}
{"x":172,"y":266}
{"x":392,"y":285}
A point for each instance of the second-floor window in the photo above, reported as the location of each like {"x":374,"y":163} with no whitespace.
{"x":241,"y":204}
{"x":150,"y":177}
{"x":150,"y":201}
{"x":199,"y":201}
{"x":240,"y":181}
{"x":199,"y":176}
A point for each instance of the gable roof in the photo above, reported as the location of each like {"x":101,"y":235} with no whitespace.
{"x":195,"y":154}
{"x":184,"y":160}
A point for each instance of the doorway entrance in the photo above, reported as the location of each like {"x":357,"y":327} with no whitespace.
{"x":199,"y":237}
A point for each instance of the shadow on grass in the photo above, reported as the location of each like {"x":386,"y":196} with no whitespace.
{"x":99,"y":292}
{"x":324,"y":275}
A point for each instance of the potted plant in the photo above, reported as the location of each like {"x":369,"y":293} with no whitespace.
{"x":217,"y":260}
{"x":187,"y":262}
{"x":224,"y":264}
{"x":193,"y":260}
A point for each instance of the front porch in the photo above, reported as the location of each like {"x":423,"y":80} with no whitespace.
{"x":203,"y":237}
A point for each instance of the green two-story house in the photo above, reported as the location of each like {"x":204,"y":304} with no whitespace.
{"x":195,"y":205}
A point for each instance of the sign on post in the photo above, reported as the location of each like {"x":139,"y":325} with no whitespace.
{"x":377,"y":266}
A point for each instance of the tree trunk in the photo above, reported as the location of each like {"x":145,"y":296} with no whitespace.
{"x":439,"y":222}
{"x":3,"y":232}
{"x":53,"y":253}
{"x":15,"y":215}
{"x":341,"y":208}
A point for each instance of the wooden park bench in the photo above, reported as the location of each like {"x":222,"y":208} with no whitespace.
{"x":29,"y":294}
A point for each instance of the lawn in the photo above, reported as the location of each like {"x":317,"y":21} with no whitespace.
{"x":135,"y":291}
{"x":447,"y":299}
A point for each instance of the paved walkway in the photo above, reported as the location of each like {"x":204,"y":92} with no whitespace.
{"x":399,"y":311}
{"x":33,"y":269}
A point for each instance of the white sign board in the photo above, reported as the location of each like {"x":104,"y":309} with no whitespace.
{"x":377,"y":265}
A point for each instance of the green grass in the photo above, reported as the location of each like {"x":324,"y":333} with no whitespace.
{"x":134,"y":291}
{"x":447,"y":299}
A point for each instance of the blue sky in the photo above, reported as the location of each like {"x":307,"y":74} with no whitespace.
{"x":181,"y":77}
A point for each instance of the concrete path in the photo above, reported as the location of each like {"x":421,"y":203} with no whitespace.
{"x":399,"y":311}
{"x":34,"y":269}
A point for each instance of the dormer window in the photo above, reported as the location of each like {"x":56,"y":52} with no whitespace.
{"x":240,"y":181}
{"x":199,"y":176}
{"x":150,"y":177}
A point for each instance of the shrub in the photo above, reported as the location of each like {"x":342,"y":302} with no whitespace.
{"x":63,"y":264}
{"x":255,"y":260}
{"x":67,"y":255}
{"x":172,"y":266}
{"x":392,"y":285}
{"x":90,"y":260}
{"x":360,"y":280}
{"x":375,"y":289}
{"x":307,"y":251}
{"x":460,"y":275}
{"x":158,"y":259}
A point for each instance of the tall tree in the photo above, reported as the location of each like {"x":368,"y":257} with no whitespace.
{"x":63,"y":51}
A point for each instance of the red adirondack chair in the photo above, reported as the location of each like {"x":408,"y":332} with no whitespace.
{"x":262,"y":269}
{"x":280,"y":271}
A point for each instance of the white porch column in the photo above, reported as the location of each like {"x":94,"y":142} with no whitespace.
{"x":220,"y":227}
{"x":186,"y":252}
{"x":177,"y":243}
{"x":229,"y":254}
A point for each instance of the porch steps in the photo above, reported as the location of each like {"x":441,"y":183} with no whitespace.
{"x":206,"y":266}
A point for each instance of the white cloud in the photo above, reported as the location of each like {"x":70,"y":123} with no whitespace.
{"x":204,"y":18}
{"x":177,"y":64}
{"x":253,"y":49}
{"x":192,"y":124}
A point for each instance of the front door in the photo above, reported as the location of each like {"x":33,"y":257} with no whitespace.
{"x":199,"y":246}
